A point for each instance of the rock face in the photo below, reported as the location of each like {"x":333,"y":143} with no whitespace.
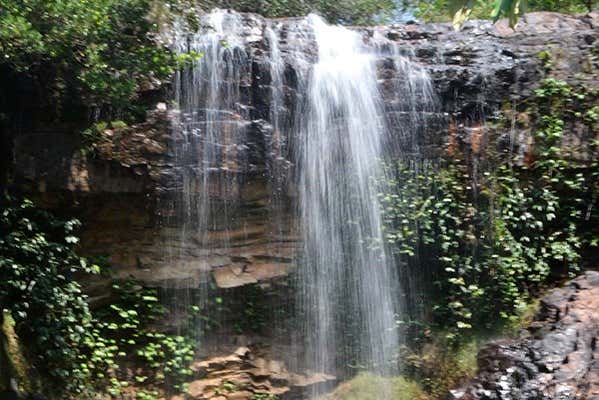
{"x":558,"y":358}
{"x":246,"y":374}
{"x":126,"y":186}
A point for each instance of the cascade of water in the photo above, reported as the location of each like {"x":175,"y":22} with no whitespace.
{"x":210,"y":149}
{"x":348,"y":286}
{"x":409,"y":99}
{"x":276,"y":142}
{"x":410,"y":103}
{"x":347,"y":283}
{"x":414,"y":99}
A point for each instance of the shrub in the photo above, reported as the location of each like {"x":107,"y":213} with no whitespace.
{"x":37,"y":268}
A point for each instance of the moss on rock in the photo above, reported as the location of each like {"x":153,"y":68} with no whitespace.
{"x":14,"y":364}
{"x":367,"y":386}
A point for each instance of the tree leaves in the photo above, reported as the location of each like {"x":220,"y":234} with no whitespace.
{"x":461,"y":10}
{"x":101,"y":51}
{"x":512,"y":9}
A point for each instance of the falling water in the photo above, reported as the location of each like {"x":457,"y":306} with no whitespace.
{"x":210,"y":148}
{"x":276,"y":143}
{"x":410,"y":103}
{"x":347,"y":281}
{"x":333,"y":134}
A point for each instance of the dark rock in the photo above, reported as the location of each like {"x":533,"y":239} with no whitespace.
{"x":559,"y":362}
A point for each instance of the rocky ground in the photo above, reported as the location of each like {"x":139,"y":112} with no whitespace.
{"x":556,"y":358}
{"x":249,"y":373}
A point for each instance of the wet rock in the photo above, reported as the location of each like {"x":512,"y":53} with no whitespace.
{"x":557,"y":361}
{"x":247,"y":373}
{"x":128,"y":187}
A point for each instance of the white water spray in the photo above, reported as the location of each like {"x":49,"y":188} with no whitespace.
{"x":348,"y":290}
{"x":333,"y":136}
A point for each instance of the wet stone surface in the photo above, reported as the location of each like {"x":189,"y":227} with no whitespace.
{"x":557,"y":358}
{"x":128,"y":189}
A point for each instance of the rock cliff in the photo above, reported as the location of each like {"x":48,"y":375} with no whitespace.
{"x":124,"y":185}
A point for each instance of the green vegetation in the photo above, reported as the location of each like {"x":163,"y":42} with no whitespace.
{"x":37,"y":266}
{"x":461,"y":10}
{"x":96,"y":55}
{"x":361,"y":12}
{"x":369,"y":386}
{"x":495,"y":238}
{"x":443,"y":10}
{"x":74,"y":350}
{"x":127,"y":333}
{"x":438,"y":366}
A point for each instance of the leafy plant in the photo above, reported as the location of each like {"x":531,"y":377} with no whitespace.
{"x":496,"y":238}
{"x":97,"y":54}
{"x":37,"y":268}
{"x":125,"y":332}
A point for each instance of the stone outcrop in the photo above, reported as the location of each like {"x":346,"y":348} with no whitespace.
{"x":556,"y":359}
{"x":247,"y":373}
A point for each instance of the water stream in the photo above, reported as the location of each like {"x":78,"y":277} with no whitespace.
{"x":323,"y":149}
{"x":210,"y":153}
{"x":347,"y":282}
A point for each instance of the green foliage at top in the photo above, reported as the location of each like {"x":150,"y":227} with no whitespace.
{"x":348,"y":12}
{"x":101,"y":53}
{"x":495,"y":237}
{"x":37,"y":266}
{"x":461,"y":10}
{"x":95,"y":57}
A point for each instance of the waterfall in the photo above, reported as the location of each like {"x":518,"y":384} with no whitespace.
{"x":410,"y":104}
{"x":278,"y":164}
{"x":347,"y":283}
{"x":210,"y":145}
{"x":327,"y":134}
